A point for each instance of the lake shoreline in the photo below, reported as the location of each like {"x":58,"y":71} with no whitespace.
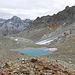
{"x":33,"y":51}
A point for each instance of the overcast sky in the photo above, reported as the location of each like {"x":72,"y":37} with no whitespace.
{"x":32,"y":8}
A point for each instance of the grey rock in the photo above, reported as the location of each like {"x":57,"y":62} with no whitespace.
{"x":32,"y":73}
{"x":14,"y":73}
{"x":24,"y":71}
{"x":3,"y":65}
{"x":50,"y":71}
{"x":0,"y":65}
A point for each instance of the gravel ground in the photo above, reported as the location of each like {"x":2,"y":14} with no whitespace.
{"x":66,"y":50}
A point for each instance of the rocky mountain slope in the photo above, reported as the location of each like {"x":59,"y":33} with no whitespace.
{"x":55,"y":28}
{"x":15,"y":43}
{"x":13,"y":25}
{"x":65,"y":17}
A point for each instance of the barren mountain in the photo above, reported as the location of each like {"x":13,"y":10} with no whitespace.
{"x":55,"y":28}
{"x":13,"y":25}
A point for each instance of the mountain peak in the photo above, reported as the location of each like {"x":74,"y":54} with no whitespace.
{"x":15,"y":18}
{"x":67,"y":7}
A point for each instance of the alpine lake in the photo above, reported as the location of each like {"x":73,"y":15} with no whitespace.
{"x":34,"y":51}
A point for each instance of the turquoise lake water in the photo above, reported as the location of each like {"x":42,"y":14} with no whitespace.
{"x":34,"y":51}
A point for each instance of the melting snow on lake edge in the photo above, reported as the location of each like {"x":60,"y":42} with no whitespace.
{"x":52,"y":49}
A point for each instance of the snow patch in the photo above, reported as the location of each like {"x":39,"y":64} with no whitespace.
{"x":44,"y":42}
{"x":16,"y":39}
{"x":64,"y":23}
{"x":52,"y":49}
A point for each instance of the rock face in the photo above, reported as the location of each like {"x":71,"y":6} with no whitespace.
{"x":13,"y":25}
{"x":65,"y":17}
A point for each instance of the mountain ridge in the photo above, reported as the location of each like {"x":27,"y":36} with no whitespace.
{"x":13,"y":25}
{"x":63,"y":17}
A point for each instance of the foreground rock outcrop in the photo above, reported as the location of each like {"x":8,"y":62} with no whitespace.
{"x":34,"y":66}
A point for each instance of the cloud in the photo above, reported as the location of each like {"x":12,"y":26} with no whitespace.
{"x":24,"y":13}
{"x":32,"y":8}
{"x":5,"y":15}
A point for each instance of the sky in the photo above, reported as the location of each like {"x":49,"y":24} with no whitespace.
{"x":32,"y":8}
